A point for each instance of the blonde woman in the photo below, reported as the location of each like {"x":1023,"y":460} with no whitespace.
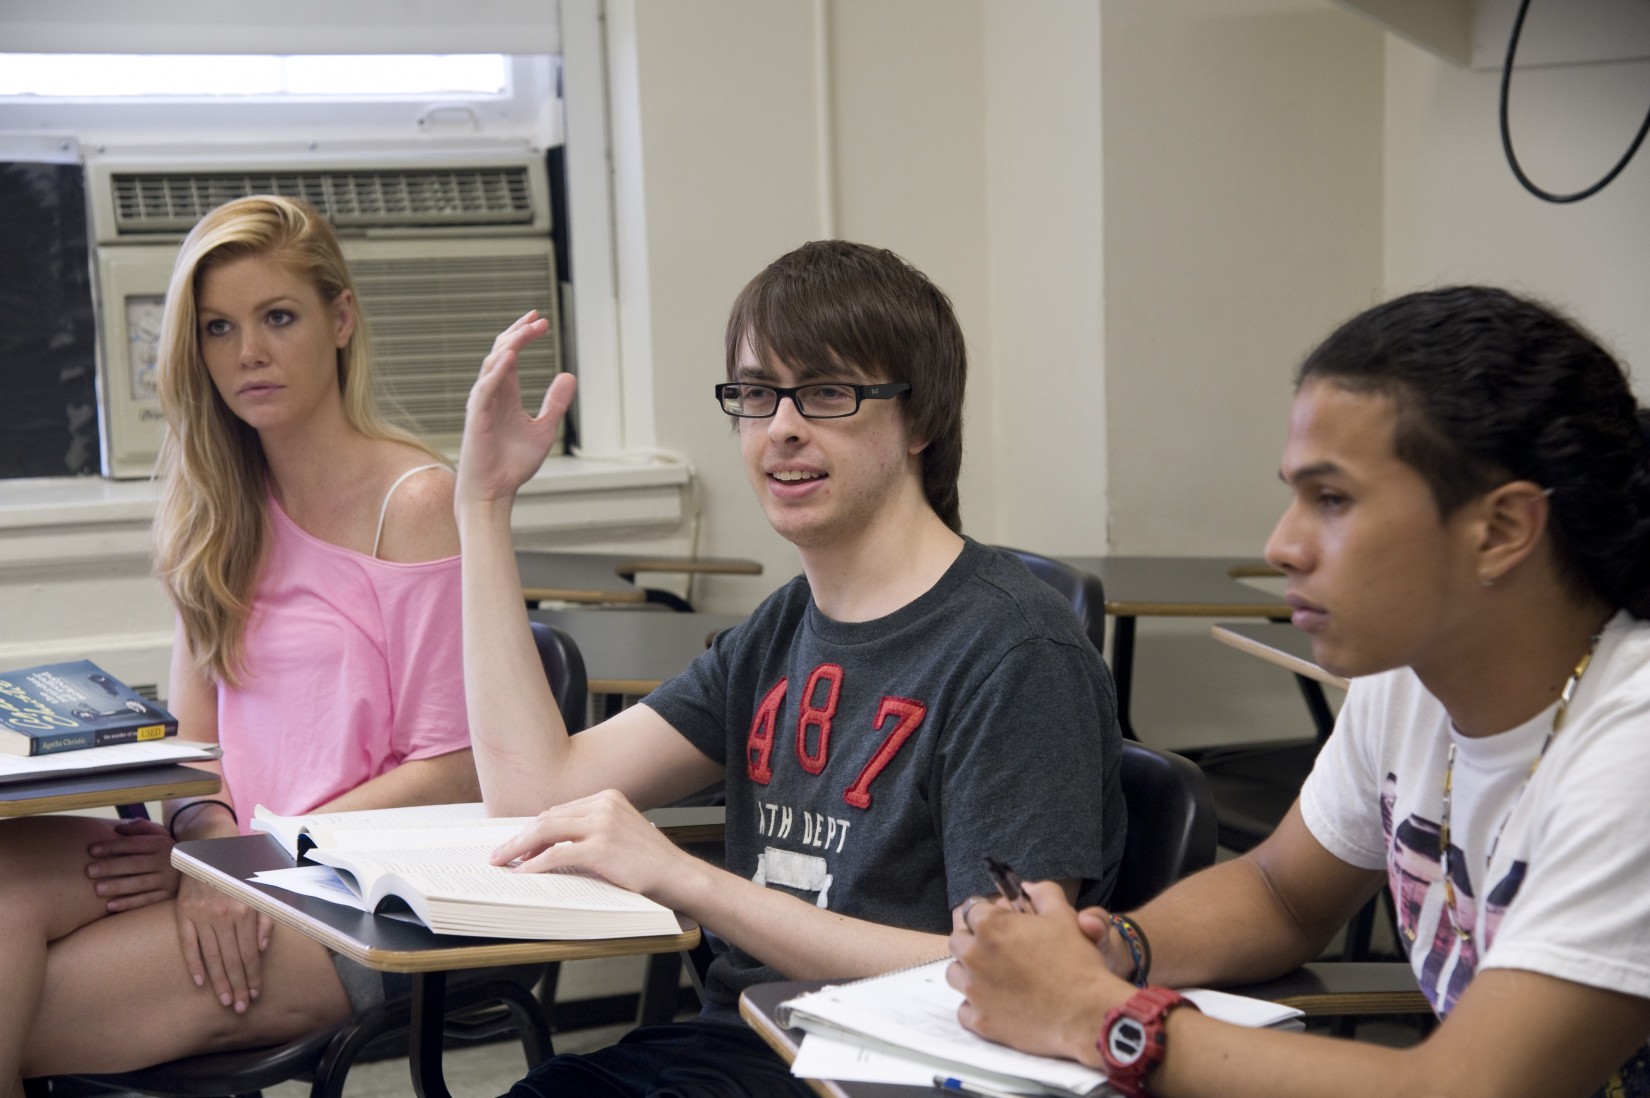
{"x":310,"y":552}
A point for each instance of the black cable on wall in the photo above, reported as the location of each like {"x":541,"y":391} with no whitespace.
{"x":1506,"y":130}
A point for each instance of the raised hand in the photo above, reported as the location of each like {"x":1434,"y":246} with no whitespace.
{"x":504,"y":446}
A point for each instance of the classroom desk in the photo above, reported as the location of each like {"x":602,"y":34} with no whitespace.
{"x":390,"y":945}
{"x":1172,"y":587}
{"x":632,"y":651}
{"x":757,"y":1006}
{"x":105,"y":788}
{"x":611,"y":577}
{"x":1317,"y":990}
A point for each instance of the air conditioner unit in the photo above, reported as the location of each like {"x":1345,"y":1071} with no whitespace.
{"x":447,"y":249}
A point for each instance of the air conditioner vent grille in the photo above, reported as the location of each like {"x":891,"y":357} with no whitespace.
{"x":171,"y":202}
{"x":433,"y":320}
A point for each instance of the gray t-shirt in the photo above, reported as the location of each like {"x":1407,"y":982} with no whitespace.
{"x":871,"y":766}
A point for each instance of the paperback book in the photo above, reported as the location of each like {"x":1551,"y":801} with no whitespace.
{"x":73,"y":706}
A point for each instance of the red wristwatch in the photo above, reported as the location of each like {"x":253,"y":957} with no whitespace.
{"x":1132,"y":1039}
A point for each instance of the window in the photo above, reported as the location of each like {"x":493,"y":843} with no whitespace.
{"x":200,"y":106}
{"x":329,"y":76}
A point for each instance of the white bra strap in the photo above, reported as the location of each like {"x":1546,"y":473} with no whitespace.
{"x":385,"y":509}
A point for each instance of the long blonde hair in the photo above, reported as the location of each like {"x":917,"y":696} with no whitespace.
{"x":212,"y":523}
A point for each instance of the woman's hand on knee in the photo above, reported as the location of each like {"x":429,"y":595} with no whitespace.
{"x":132,"y":868}
{"x":223,"y":942}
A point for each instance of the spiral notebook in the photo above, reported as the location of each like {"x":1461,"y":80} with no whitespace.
{"x":911,"y":1015}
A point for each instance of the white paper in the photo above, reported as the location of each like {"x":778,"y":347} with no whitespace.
{"x":319,"y":881}
{"x":120,"y":756}
{"x":1240,"y":1010}
{"x":915,"y":1012}
{"x":323,"y":883}
{"x":822,"y":1057}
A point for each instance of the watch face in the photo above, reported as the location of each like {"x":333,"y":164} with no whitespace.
{"x":1126,"y":1041}
{"x":143,"y":314}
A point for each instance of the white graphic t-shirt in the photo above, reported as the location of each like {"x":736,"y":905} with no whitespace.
{"x":1554,"y":879}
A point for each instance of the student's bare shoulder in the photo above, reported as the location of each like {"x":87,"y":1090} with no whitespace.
{"x":418,"y":522}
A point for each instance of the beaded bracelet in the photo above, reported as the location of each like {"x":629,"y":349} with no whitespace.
{"x":1140,"y":950}
{"x":172,"y":826}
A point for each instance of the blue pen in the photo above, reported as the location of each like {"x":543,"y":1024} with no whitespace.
{"x":973,"y":1090}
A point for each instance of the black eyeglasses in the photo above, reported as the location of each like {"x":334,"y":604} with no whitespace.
{"x":821,"y":400}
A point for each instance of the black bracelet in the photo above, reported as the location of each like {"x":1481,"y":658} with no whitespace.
{"x":172,"y":826}
{"x":1140,"y":950}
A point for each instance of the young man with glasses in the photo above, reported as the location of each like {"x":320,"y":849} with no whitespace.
{"x":912,"y":703}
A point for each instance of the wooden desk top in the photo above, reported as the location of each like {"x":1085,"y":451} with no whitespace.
{"x":574,"y":577}
{"x":632,"y":651}
{"x":1345,"y":987}
{"x":631,"y":566}
{"x":609,"y":577}
{"x":102,"y":789}
{"x":1185,"y":587}
{"x":388,"y":945}
{"x":1279,"y":643}
{"x":757,"y":1005}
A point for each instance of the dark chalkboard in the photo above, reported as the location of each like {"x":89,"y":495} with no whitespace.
{"x":48,"y":332}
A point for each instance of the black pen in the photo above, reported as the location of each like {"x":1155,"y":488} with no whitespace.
{"x":1008,"y":883}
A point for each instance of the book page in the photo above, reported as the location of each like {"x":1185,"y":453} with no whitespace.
{"x":488,"y":834}
{"x":428,"y":819}
{"x":461,"y":873}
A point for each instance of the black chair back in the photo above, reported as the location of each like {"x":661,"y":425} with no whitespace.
{"x":564,"y":671}
{"x":1082,"y":590}
{"x":1171,"y":824}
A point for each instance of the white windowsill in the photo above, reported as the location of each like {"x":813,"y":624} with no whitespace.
{"x":68,"y":520}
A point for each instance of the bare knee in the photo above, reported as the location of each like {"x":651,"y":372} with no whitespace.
{"x":43,"y":884}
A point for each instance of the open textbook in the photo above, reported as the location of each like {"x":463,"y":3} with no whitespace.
{"x":902,"y":1027}
{"x":432,"y":859}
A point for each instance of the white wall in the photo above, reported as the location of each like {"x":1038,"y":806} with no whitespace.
{"x":1042,"y":422}
{"x":1454,"y":212}
{"x":950,"y":142}
{"x":1242,"y":219}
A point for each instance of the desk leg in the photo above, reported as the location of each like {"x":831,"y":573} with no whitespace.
{"x":1122,"y":670}
{"x":429,"y":1011}
{"x":1323,"y":719}
{"x":668,"y":598}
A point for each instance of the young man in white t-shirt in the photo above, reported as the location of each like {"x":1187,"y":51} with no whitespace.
{"x":1467,"y":535}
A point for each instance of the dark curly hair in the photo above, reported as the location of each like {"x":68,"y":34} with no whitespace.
{"x":832,"y":302}
{"x":1491,"y":387}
